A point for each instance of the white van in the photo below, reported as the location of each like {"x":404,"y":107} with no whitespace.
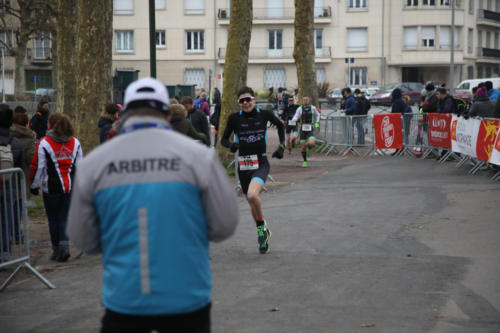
{"x":469,"y":84}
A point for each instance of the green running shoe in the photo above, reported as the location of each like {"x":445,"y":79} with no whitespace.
{"x":304,"y":164}
{"x":263,"y":237}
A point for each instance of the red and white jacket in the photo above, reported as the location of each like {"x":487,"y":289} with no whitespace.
{"x":53,"y":164}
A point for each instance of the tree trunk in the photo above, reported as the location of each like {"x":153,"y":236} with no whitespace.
{"x":19,"y":56}
{"x":94,"y":81}
{"x":66,"y":56}
{"x":303,"y":51}
{"x":236,"y":65}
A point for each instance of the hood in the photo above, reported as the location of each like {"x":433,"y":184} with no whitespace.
{"x":56,"y":138}
{"x":107,"y":116}
{"x":20,"y":131}
{"x":396,"y":94}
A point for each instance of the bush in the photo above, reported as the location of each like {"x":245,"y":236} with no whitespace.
{"x":323,"y":89}
{"x":263,"y":94}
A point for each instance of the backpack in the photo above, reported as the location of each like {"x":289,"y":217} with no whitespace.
{"x":460,"y":105}
{"x":6,"y":160}
{"x":197,"y":104}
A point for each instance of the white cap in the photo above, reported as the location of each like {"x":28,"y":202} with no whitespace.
{"x":147,"y":92}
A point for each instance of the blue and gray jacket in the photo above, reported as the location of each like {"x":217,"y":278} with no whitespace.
{"x":151,"y":200}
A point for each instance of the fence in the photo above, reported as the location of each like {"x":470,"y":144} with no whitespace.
{"x":31,"y":106}
{"x":14,"y":232}
{"x":414,"y":134}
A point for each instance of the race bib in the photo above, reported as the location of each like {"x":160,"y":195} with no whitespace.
{"x":248,"y":162}
{"x":307,"y":127}
{"x":292,"y":123}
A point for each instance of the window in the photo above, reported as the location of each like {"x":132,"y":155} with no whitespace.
{"x":470,"y":72}
{"x":194,"y":6}
{"x":160,"y":39}
{"x":428,"y":36}
{"x":4,"y":5}
{"x":410,"y":35}
{"x":275,"y":46}
{"x":274,"y":8}
{"x":357,"y":3}
{"x":123,"y":7}
{"x":357,"y":39}
{"x":445,"y":37}
{"x":7,"y":38}
{"x":42,"y":46}
{"x":124,"y":41}
{"x":195,"y":76}
{"x":320,"y":75}
{"x":318,"y":42}
{"x":195,"y":41}
{"x":411,"y":3}
{"x":495,"y":41}
{"x":497,"y":6}
{"x":488,"y":39}
{"x":429,"y":2}
{"x":470,"y":40}
{"x":488,"y":71}
{"x":318,"y":8}
{"x":479,"y":71}
{"x":479,"y":38}
{"x":160,"y":4}
{"x":274,"y":77}
{"x":357,"y":76}
{"x":471,"y":6}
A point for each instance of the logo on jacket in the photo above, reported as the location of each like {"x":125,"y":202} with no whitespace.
{"x":387,"y":131}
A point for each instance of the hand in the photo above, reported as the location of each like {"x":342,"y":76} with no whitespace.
{"x":342,"y":111}
{"x":279,"y":152}
{"x":316,"y":125}
{"x":234,"y":147}
{"x":34,"y":191}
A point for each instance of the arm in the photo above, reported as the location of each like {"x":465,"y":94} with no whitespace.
{"x":298,"y":113}
{"x":227,"y":133}
{"x":192,"y":133}
{"x":219,"y":202}
{"x":205,"y":130}
{"x":37,"y":166}
{"x":317,"y":115}
{"x":279,"y":125}
{"x":83,"y":222}
{"x":350,"y":107}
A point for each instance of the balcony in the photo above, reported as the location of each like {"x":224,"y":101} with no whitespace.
{"x":487,"y":55}
{"x":40,"y":55}
{"x":262,"y":55}
{"x":488,"y":18}
{"x":278,"y":15}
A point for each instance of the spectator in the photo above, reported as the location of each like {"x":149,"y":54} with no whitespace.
{"x":153,"y":222}
{"x":446,"y":103}
{"x":496,"y":114}
{"x":19,"y":109}
{"x":204,"y":107}
{"x":108,"y":117}
{"x":272,"y":96}
{"x":217,"y":99}
{"x":492,"y":92}
{"x":180,"y":123}
{"x":38,"y":122}
{"x":431,"y":101}
{"x":398,"y":104}
{"x":11,"y":155}
{"x":362,"y":107}
{"x":350,"y":102}
{"x":482,"y":106}
{"x":197,"y":119}
{"x":53,"y":166}
{"x":27,"y":137}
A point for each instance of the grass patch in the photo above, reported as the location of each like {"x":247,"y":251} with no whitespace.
{"x":38,"y":210}
{"x":230,"y":171}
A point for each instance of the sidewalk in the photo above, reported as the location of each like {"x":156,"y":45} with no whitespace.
{"x":381,"y":244}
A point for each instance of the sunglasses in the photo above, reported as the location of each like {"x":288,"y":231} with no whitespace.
{"x":245,"y":99}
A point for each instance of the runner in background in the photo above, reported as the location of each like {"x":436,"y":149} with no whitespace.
{"x":310,"y":117}
{"x":249,"y":126}
{"x":291,"y":130}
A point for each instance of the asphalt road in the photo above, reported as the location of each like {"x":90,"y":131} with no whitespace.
{"x":375,"y":245}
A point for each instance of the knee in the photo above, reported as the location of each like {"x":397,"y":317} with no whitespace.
{"x":252,"y":197}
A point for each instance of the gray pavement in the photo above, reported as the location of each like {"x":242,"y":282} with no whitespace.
{"x":375,"y":245}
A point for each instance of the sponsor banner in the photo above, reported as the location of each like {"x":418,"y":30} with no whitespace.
{"x":495,"y":154}
{"x":464,"y":135}
{"x":486,"y":136}
{"x":388,"y":131}
{"x":440,"y":130}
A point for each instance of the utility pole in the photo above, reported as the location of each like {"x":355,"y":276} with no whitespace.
{"x":382,"y":69}
{"x":452,"y":51}
{"x":152,"y":39}
{"x":3,"y":75}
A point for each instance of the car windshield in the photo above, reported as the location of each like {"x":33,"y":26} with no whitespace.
{"x":389,"y":87}
{"x":461,"y":91}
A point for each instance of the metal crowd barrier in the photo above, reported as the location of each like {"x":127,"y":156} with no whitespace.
{"x":14,"y":231}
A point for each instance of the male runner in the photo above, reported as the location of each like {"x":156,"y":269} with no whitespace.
{"x":250,"y":138}
{"x":306,"y":113}
{"x":290,"y":125}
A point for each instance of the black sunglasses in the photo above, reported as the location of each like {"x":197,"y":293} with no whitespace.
{"x":245,"y":99}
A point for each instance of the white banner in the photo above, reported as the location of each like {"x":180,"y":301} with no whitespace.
{"x":495,"y":153}
{"x":464,"y":135}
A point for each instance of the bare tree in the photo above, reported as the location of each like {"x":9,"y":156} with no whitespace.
{"x":236,"y":64}
{"x":24,"y":20}
{"x":94,"y":79}
{"x":66,"y":15}
{"x":303,"y":51}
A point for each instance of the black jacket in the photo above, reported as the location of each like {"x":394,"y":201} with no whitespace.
{"x":39,"y":122}
{"x":398,"y":105}
{"x":200,"y":123}
{"x":430,"y":103}
{"x":482,"y":107}
{"x":446,"y":105}
{"x":16,"y":146}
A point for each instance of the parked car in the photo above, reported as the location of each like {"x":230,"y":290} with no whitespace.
{"x":369,"y":91}
{"x":49,"y":93}
{"x":383,"y":96}
{"x":464,"y":94}
{"x":335,"y":96}
{"x":469,"y":84}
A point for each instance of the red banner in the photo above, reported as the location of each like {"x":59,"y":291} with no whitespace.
{"x":388,"y":131}
{"x":486,"y":137}
{"x":440,"y":130}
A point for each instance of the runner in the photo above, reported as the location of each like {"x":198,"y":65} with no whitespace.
{"x":290,"y":125}
{"x":306,"y":113}
{"x":250,"y":130}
